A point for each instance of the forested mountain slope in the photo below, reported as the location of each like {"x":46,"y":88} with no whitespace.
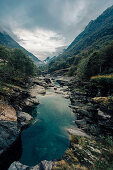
{"x":97,"y":34}
{"x":97,"y":31}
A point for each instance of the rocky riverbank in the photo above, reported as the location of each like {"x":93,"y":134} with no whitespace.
{"x":91,"y":137}
{"x":13,"y":118}
{"x":91,"y":141}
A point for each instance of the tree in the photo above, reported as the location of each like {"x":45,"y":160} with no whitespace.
{"x":99,"y":62}
{"x":20,"y":65}
{"x":4,"y":54}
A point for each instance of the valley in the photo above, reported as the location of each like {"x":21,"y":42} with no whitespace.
{"x":57,"y":114}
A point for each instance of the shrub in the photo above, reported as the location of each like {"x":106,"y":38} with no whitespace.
{"x":102,"y":84}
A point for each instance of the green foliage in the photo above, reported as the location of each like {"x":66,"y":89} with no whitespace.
{"x":16,"y":64}
{"x":107,"y":154}
{"x":99,"y":152}
{"x":81,"y":69}
{"x":96,"y":33}
{"x":99,"y":62}
{"x":7,"y":41}
{"x":59,"y":64}
{"x":84,"y":51}
{"x":108,"y":141}
{"x":103,"y":83}
{"x":72,"y":70}
{"x":4,"y":52}
{"x":100,"y":164}
{"x":74,"y":63}
{"x":86,"y":64}
{"x":19,"y":64}
{"x":79,"y":140}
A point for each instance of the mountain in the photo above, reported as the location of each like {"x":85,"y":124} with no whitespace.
{"x":48,"y":59}
{"x":9,"y":42}
{"x":98,"y":33}
{"x":94,"y":34}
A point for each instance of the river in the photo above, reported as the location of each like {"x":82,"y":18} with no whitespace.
{"x":47,"y":138}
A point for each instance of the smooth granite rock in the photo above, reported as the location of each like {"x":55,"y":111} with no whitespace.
{"x":24,"y":119}
{"x":31,"y":102}
{"x":44,"y":165}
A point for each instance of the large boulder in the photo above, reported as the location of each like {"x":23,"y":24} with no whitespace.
{"x":31,"y":102}
{"x":37,"y":89}
{"x":40,"y":81}
{"x":8,"y":126}
{"x":9,"y":133}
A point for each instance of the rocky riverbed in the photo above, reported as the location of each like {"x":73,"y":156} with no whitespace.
{"x":87,"y":149}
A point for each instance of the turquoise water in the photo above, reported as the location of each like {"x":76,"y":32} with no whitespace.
{"x":47,"y":138}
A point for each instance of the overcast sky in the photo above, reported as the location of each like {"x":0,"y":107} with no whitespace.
{"x":44,"y":27}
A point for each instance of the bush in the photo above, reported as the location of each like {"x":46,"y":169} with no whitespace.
{"x":103,"y":84}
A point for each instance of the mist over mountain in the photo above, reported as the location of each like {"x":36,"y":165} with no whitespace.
{"x":8,"y":41}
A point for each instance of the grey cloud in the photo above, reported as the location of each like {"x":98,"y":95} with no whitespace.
{"x":65,"y":17}
{"x":43,"y":55}
{"x":48,"y":13}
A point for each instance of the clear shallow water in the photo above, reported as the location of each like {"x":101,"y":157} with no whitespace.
{"x":47,"y":139}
